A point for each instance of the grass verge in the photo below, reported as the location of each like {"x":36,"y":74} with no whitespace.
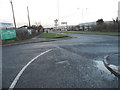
{"x":52,"y":35}
{"x":95,"y":33}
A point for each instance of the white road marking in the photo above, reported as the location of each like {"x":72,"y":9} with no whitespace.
{"x":61,"y":62}
{"x":23,"y":69}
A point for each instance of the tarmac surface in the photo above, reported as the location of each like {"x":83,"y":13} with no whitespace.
{"x":113,"y":59}
{"x":72,"y":63}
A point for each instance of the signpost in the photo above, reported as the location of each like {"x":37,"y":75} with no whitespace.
{"x":66,"y":25}
{"x":7,"y":34}
{"x":56,"y":21}
{"x":63,"y":22}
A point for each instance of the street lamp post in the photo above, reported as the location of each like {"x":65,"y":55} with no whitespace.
{"x":13,"y":14}
{"x":83,"y":14}
{"x":58,"y":11}
{"x":83,"y":17}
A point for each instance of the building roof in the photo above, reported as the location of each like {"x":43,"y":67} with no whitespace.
{"x":5,"y":25}
{"x":88,"y":23}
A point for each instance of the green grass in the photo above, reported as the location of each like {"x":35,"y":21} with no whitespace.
{"x":8,"y":42}
{"x":52,"y":35}
{"x":95,"y":33}
{"x":0,"y":42}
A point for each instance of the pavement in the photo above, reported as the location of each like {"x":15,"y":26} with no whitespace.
{"x":112,"y":64}
{"x":35,"y":40}
{"x":71,"y":63}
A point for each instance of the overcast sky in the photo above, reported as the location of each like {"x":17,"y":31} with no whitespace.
{"x":46,"y":11}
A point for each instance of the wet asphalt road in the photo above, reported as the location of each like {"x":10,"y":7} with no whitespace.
{"x":72,"y":63}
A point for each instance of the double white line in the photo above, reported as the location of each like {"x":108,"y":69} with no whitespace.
{"x":23,"y":69}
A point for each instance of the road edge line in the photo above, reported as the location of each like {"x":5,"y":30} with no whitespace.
{"x":23,"y":69}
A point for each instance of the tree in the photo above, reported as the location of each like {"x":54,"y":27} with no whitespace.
{"x":113,"y":20}
{"x":116,"y":21}
{"x":37,"y":23}
{"x":100,"y":21}
{"x":78,"y":27}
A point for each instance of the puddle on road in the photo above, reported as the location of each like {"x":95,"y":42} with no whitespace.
{"x":113,"y":67}
{"x":104,"y":71}
{"x":100,"y":65}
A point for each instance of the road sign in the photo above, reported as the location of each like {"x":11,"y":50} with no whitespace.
{"x":63,"y":22}
{"x":7,"y":34}
{"x":56,"y":21}
{"x":56,"y":24}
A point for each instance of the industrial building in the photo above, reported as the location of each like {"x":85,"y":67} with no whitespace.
{"x":4,"y":25}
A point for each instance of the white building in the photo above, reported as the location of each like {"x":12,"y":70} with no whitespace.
{"x":5,"y":25}
{"x":119,"y":10}
{"x":87,"y":25}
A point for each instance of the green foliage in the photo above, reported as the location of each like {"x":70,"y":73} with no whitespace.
{"x":95,"y":33}
{"x":100,"y":21}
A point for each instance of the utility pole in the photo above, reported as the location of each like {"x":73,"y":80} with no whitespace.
{"x":58,"y":11}
{"x":28,"y":16}
{"x":119,"y":10}
{"x":83,"y":14}
{"x":13,"y":13}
